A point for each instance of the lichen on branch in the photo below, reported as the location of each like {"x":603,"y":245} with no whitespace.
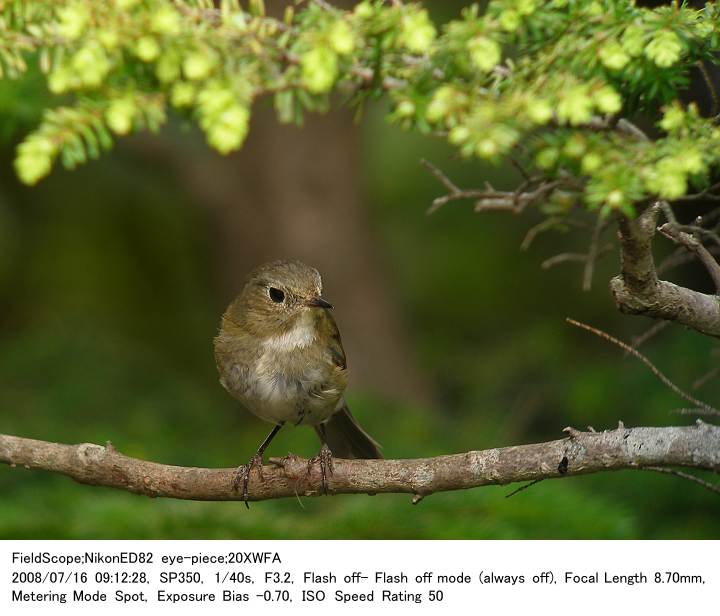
{"x":581,"y":453}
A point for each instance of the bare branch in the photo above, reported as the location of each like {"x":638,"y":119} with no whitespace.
{"x":668,"y":211}
{"x":710,"y":374}
{"x":489,"y":199}
{"x":550,"y":223}
{"x":698,"y":412}
{"x":577,"y":257}
{"x":696,"y":230}
{"x":626,"y":126}
{"x":520,"y":168}
{"x":680,"y":256}
{"x":440,"y":176}
{"x":564,"y":257}
{"x":671,"y":471}
{"x":659,"y":375}
{"x":622,"y":126}
{"x":651,"y":332}
{"x":639,"y":291}
{"x":325,"y":5}
{"x":695,"y":446}
{"x":705,"y":195}
{"x":524,"y":487}
{"x":367,"y":75}
{"x":695,"y":246}
{"x":710,"y":86}
{"x":593,"y":253}
{"x":537,"y":229}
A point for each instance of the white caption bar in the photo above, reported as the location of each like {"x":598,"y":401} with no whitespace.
{"x":322,"y":577}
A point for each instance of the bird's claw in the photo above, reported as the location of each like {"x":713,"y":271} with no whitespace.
{"x":242,"y":476}
{"x":325,"y":459}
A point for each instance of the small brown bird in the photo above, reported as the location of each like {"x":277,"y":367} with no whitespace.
{"x":279,"y":353}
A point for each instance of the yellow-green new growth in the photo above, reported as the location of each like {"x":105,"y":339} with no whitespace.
{"x":552,"y":78}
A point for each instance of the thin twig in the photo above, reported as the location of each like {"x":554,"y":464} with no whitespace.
{"x":680,"y":256}
{"x":702,"y":412}
{"x":593,"y":253}
{"x":440,"y":176}
{"x":537,"y":229}
{"x":489,"y":199}
{"x":520,"y":168}
{"x":707,"y":194}
{"x":325,"y":5}
{"x":695,"y":246}
{"x":547,"y":224}
{"x":626,"y":126}
{"x":671,"y":471}
{"x":572,"y":257}
{"x":712,"y":215}
{"x":710,"y":234}
{"x":651,"y":332}
{"x":710,"y":86}
{"x":623,"y":125}
{"x":711,"y":410}
{"x":564,"y":257}
{"x":523,"y":488}
{"x":668,"y":211}
{"x":706,"y":377}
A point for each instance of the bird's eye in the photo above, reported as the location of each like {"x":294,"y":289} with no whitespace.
{"x":276,"y":295}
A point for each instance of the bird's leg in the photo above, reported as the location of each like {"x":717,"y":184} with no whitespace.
{"x":243,"y":472}
{"x":324,"y":458}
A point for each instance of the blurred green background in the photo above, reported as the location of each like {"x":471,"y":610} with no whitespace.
{"x":113,"y":278}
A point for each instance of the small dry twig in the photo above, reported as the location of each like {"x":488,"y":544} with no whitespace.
{"x":694,"y":245}
{"x":692,"y":412}
{"x":547,"y":224}
{"x":710,"y":410}
{"x":523,"y":488}
{"x":490,"y":199}
{"x":680,"y":256}
{"x":574,"y":257}
{"x":705,"y":195}
{"x":623,"y":125}
{"x":593,"y":253}
{"x":671,"y":471}
{"x":626,"y":126}
{"x":710,"y":374}
{"x":710,"y":86}
{"x":563,"y":257}
{"x":651,"y":332}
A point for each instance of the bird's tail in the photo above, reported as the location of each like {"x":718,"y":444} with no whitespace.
{"x":346,"y":438}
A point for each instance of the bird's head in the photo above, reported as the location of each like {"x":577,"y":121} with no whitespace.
{"x":276,"y":297}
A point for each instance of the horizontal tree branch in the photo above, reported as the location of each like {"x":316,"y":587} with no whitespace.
{"x":638,"y":290}
{"x":696,"y":446}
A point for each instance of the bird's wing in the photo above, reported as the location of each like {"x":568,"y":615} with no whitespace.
{"x":328,"y":330}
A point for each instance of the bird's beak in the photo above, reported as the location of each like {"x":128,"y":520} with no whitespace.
{"x":318,"y":302}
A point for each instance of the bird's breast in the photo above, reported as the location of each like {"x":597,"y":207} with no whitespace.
{"x":288,"y":377}
{"x":286,"y":387}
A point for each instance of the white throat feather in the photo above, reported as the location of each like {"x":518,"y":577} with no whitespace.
{"x":302,"y":335}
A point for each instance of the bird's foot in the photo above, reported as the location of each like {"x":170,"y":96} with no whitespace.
{"x":242,"y":476}
{"x":325,"y":460}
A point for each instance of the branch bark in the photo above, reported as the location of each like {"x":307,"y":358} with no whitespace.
{"x":638,"y":290}
{"x":581,"y":453}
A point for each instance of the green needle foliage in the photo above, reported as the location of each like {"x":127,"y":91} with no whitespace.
{"x":544,"y":81}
